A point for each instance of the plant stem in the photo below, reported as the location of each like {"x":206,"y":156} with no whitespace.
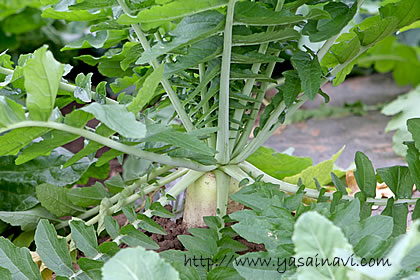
{"x":222,"y":144}
{"x":290,"y":188}
{"x":222,"y":184}
{"x":249,"y":84}
{"x":186,"y":121}
{"x":255,"y":111}
{"x":63,"y":85}
{"x":211,"y":141}
{"x":164,"y":159}
{"x":262,"y":136}
{"x":190,"y":177}
{"x":142,"y":180}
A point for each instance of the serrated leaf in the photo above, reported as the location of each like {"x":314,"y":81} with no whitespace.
{"x":87,"y":196}
{"x":339,"y":15}
{"x":309,"y":72}
{"x":53,"y":249}
{"x":147,"y":92}
{"x":254,"y":13}
{"x":112,"y":116}
{"x":18,"y":261}
{"x":42,"y":75}
{"x":190,"y":29}
{"x":265,"y":37}
{"x":138,"y":264}
{"x":365,"y":175}
{"x":197,"y":53}
{"x":85,"y":238}
{"x":291,"y":87}
{"x":160,"y":133}
{"x":55,"y":200}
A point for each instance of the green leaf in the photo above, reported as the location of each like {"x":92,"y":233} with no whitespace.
{"x":339,"y":185}
{"x":160,"y":133}
{"x":85,"y":238}
{"x":403,"y":256}
{"x":399,"y":213}
{"x":5,"y":273}
{"x":309,"y":72}
{"x":138,"y":264}
{"x":413,"y":160}
{"x":53,"y":249}
{"x":402,"y":109}
{"x":28,"y":219}
{"x":171,"y":11}
{"x":55,"y":200}
{"x":17,"y":183}
{"x":414,"y":128}
{"x":321,"y":171}
{"x":276,"y":164}
{"x":323,"y":29}
{"x":45,"y":169}
{"x":398,"y":179}
{"x":117,"y":118}
{"x":265,"y":37}
{"x":10,"y":112}
{"x":149,"y":225}
{"x":76,"y":15}
{"x":18,"y":261}
{"x":91,"y":268}
{"x":253,"y":57}
{"x":314,"y":234}
{"x":365,"y":175}
{"x":262,"y":270}
{"x":11,"y":142}
{"x":147,"y":92}
{"x":378,"y":225}
{"x":83,"y":87}
{"x":197,"y":53}
{"x":111,"y":227}
{"x":190,"y":29}
{"x":254,"y":13}
{"x":42,"y":75}
{"x":133,"y":237}
{"x":87,"y":196}
{"x":291,"y":87}
{"x":348,"y":214}
{"x":55,"y":139}
{"x":92,"y":147}
{"x":271,"y":231}
{"x":102,"y":39}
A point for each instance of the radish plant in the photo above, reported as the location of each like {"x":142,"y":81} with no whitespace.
{"x":199,"y":69}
